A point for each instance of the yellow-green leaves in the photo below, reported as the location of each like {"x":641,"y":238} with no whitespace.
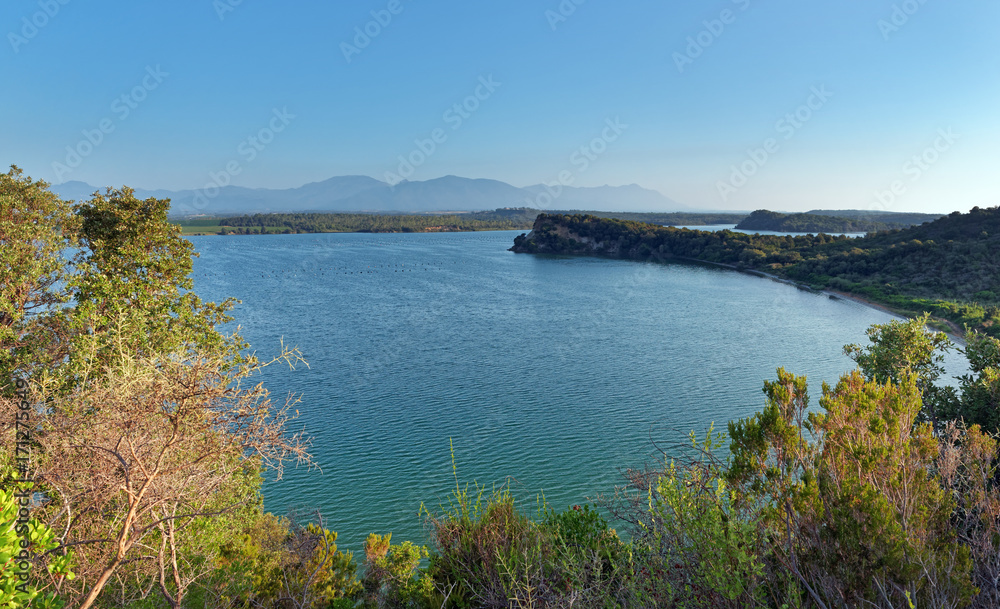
{"x":27,"y":579}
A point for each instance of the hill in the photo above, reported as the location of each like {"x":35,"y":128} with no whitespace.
{"x":831,"y":222}
{"x":808,"y":223}
{"x":949,"y":267}
{"x":365,"y":194}
{"x":897,"y":219}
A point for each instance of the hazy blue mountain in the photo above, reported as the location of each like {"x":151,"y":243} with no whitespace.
{"x":455,"y":193}
{"x":362,"y":193}
{"x":316,"y":195}
{"x":74,"y":190}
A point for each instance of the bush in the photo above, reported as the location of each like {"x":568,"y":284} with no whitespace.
{"x":487,"y":553}
{"x":693,"y":545}
{"x":392,"y":578}
{"x":45,"y":575}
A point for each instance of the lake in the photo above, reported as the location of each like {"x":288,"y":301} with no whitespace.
{"x":553,"y":371}
{"x":717,"y":227}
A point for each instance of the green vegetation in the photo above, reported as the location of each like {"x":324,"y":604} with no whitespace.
{"x":149,"y":435}
{"x":20,"y":539}
{"x":500,"y":219}
{"x":830,"y":222}
{"x":667,"y":219}
{"x":949,"y":268}
{"x":808,"y":223}
{"x":892,"y":218}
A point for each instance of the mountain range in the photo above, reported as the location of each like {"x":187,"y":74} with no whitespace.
{"x":365,"y":194}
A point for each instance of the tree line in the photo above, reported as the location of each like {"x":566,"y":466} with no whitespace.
{"x":811,"y":223}
{"x":378,"y":223}
{"x":499,"y":219}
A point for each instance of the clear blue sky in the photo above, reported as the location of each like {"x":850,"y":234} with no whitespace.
{"x":200,"y":78}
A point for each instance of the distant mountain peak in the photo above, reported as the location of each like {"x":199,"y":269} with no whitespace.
{"x":354,"y":193}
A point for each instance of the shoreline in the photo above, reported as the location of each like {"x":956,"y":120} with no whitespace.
{"x":956,"y":333}
{"x":356,"y":232}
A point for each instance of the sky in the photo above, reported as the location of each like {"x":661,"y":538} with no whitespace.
{"x":723,"y":105}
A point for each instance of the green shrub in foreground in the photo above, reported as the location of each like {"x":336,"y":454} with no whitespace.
{"x":40,"y":590}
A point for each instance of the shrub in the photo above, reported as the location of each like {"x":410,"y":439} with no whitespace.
{"x":848,"y":497}
{"x":693,"y":545}
{"x":15,"y":530}
{"x":392,"y":577}
{"x":486,"y":552}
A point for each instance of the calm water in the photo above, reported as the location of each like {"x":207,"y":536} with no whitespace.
{"x":554,"y":371}
{"x":717,"y":227}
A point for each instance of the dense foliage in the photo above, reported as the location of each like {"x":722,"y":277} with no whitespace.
{"x":897,"y":218}
{"x":810,"y":223}
{"x":139,"y":433}
{"x":949,"y":267}
{"x":500,"y":219}
{"x":680,"y":218}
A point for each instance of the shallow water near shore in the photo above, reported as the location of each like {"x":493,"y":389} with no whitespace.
{"x":553,"y":371}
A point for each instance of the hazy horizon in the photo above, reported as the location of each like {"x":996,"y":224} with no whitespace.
{"x":731,"y":105}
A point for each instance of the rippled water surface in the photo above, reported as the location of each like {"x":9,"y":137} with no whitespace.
{"x":553,"y":371}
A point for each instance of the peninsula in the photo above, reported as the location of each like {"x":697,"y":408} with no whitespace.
{"x":949,"y":267}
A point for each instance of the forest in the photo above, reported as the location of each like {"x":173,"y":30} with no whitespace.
{"x":135,"y":434}
{"x":319,"y":222}
{"x":949,"y":268}
{"x":523,"y":218}
{"x":813,"y":223}
{"x":499,"y":219}
{"x":896,"y":218}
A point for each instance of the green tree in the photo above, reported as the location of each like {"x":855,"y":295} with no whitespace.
{"x":152,"y":425}
{"x":36,"y":230}
{"x":900,"y":349}
{"x":980,"y":396}
{"x":883,"y":506}
{"x":848,"y":494}
{"x":134,"y":276}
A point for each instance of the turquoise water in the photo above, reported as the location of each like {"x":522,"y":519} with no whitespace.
{"x":553,"y":371}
